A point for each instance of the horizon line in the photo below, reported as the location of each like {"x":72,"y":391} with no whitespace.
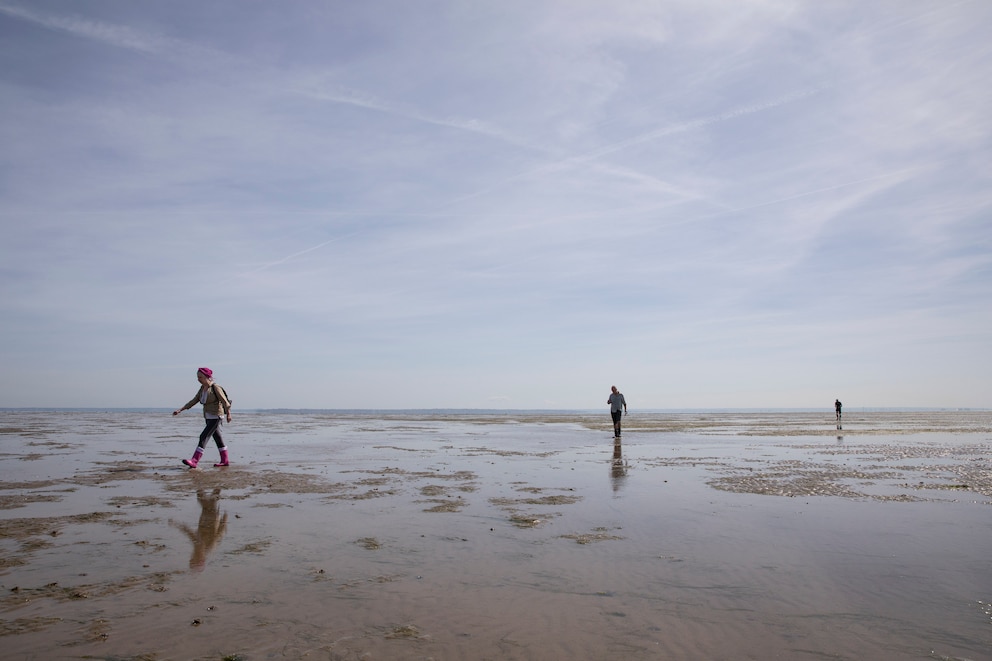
{"x":468,"y":410}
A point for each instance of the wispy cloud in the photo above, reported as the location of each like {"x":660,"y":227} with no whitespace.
{"x":656,"y":134}
{"x":189,"y":53}
{"x":117,"y":36}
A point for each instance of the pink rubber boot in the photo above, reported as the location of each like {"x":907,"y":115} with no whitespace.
{"x":223,"y":459}
{"x":196,"y":458}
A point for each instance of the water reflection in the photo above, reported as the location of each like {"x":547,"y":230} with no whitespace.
{"x":618,"y":467}
{"x":209,"y":530}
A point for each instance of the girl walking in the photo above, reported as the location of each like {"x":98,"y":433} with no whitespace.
{"x":215,"y":405}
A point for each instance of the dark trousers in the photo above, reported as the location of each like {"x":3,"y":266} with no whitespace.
{"x":616,"y":421}
{"x":211,"y":429}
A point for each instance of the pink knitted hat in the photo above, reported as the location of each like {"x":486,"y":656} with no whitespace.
{"x":206,"y":371}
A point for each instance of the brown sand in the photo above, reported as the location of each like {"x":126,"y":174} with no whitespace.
{"x":716,"y":536}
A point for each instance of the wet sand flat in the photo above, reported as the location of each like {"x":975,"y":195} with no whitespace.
{"x":523,"y":536}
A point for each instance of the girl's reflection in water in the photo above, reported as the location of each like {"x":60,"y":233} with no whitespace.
{"x":208,"y":532}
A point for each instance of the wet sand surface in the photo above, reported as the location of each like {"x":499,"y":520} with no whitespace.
{"x":332,"y":536}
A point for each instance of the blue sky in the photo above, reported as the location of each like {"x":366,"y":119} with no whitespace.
{"x":496,"y":204}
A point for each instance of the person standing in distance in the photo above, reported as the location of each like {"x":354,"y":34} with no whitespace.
{"x":215,"y":404}
{"x":618,"y":407}
{"x":837,"y":407}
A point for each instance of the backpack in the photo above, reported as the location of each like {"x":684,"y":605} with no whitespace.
{"x":221,"y":388}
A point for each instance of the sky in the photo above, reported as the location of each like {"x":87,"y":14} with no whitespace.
{"x":496,"y":204}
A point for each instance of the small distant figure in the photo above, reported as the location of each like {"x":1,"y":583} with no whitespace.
{"x":618,"y":408}
{"x":837,"y":408}
{"x":215,"y":404}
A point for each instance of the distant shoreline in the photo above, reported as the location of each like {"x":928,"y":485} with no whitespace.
{"x":687,"y":411}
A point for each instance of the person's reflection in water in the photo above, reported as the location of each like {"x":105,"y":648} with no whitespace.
{"x":208,"y":532}
{"x":618,"y":468}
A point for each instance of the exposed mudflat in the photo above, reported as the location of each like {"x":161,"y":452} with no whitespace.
{"x":721,"y":536}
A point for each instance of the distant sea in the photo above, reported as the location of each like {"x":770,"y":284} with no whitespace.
{"x":498,"y":412}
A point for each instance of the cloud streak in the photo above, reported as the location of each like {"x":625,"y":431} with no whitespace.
{"x":191,"y":54}
{"x":650,"y":136}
